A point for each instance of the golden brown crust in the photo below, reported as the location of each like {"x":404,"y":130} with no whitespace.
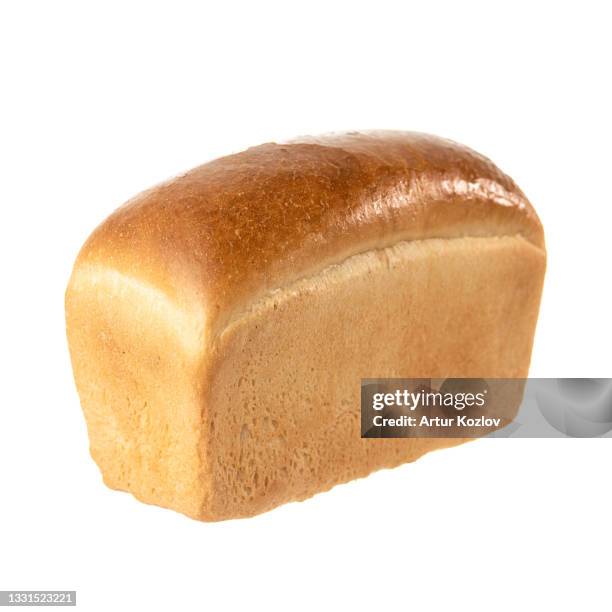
{"x":228,"y":232}
{"x":282,"y":393}
{"x":219,"y":324}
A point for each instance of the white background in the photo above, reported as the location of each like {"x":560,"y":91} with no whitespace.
{"x":100,"y":100}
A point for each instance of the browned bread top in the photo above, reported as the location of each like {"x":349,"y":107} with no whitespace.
{"x":234,"y":229}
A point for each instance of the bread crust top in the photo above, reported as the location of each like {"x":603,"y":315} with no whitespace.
{"x":225,"y":233}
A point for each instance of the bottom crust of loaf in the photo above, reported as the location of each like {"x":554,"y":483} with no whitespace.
{"x":269,"y":411}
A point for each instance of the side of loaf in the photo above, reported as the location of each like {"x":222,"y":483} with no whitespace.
{"x":220,"y":324}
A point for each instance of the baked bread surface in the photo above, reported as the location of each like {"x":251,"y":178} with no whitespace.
{"x":225,"y":233}
{"x":219,"y":324}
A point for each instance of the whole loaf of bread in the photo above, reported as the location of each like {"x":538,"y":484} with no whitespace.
{"x":219,"y":324}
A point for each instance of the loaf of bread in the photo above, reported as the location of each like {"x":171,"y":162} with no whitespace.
{"x":219,"y":324}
